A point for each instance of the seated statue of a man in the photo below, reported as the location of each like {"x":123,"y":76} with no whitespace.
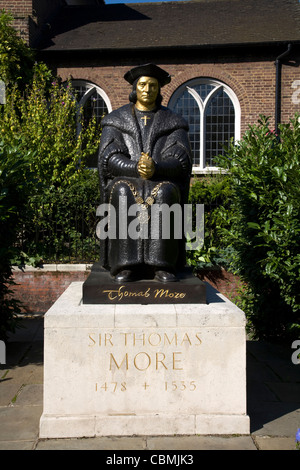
{"x":144,"y":159}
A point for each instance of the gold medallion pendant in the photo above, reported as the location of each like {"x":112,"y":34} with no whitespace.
{"x":143,"y":215}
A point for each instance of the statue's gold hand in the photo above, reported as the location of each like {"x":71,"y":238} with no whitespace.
{"x":146,"y":166}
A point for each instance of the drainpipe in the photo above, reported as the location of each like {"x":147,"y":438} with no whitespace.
{"x":278,"y":64}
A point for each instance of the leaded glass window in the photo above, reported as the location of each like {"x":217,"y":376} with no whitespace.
{"x":213,"y":114}
{"x":92,"y":102}
{"x":91,"y":99}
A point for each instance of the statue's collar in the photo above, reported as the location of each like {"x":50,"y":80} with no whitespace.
{"x":164,"y":122}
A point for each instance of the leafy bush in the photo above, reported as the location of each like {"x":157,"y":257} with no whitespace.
{"x":15,"y":184}
{"x":44,"y":141}
{"x":264,"y":226}
{"x":59,"y":224}
{"x":212,"y":191}
{"x":48,"y":118}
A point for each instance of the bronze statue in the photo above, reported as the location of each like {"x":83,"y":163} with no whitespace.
{"x":144,"y":158}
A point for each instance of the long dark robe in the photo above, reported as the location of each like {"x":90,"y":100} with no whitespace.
{"x":122,"y":142}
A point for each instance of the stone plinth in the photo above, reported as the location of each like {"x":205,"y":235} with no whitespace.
{"x":100,"y":288}
{"x":144,"y":369}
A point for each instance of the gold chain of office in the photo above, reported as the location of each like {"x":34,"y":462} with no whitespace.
{"x":143,"y":213}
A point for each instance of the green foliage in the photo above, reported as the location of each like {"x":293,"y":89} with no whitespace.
{"x":60,"y":223}
{"x":15,"y":184}
{"x":16,"y":59}
{"x":48,"y":118}
{"x":264,"y":225}
{"x":212,"y":191}
{"x":45,"y":146}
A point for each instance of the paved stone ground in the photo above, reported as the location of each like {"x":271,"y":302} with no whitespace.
{"x":273,"y":396}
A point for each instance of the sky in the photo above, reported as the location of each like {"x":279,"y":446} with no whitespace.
{"x":109,"y":2}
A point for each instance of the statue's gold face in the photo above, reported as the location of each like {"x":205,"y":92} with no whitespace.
{"x":147,"y":90}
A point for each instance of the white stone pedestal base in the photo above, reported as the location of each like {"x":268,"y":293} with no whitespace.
{"x":143,"y":370}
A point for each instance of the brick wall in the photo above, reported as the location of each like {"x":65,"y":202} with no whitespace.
{"x":30,"y":16}
{"x":38,"y":289}
{"x":227,"y":283}
{"x":21,"y":11}
{"x":251,"y":78}
{"x":253,"y":83}
{"x":18,"y":7}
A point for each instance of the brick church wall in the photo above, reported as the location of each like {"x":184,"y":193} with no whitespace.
{"x":21,"y":10}
{"x":252,"y":78}
{"x":253,"y":83}
{"x":30,"y":16}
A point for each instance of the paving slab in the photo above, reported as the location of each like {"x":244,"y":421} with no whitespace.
{"x":97,"y":443}
{"x":17,"y":445}
{"x":31,"y":394}
{"x":19,"y":422}
{"x":258,"y":391}
{"x":15,"y":351}
{"x":150,"y":443}
{"x":259,"y":371}
{"x":201,"y":443}
{"x":268,"y":352}
{"x":275,"y":419}
{"x":286,"y":371}
{"x":30,"y":328}
{"x":286,"y":392}
{"x":273,"y":399}
{"x":9,"y":391}
{"x":23,"y":374}
{"x":14,"y":380}
{"x":275,"y":443}
{"x":33,"y":355}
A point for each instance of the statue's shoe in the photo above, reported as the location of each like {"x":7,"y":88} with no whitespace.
{"x":165,"y":276}
{"x":124,"y":276}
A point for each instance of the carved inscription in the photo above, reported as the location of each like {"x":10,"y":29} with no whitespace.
{"x":138,"y":352}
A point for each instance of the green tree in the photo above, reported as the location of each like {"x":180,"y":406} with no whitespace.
{"x":48,"y":118}
{"x":52,"y":127}
{"x":16,"y":58}
{"x":15,"y":185}
{"x":264,"y":225}
{"x":44,"y":146}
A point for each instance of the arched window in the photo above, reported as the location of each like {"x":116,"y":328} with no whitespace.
{"x":92,"y":101}
{"x":213,"y":113}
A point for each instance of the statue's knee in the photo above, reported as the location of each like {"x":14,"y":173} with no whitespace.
{"x":120,"y":189}
{"x":168,"y":193}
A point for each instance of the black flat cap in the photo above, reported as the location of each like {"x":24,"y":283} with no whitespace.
{"x":148,"y":70}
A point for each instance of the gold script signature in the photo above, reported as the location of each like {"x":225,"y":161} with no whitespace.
{"x":121,"y":292}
